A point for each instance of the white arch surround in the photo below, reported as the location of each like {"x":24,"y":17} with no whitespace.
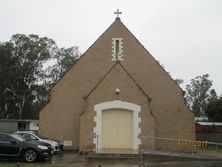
{"x":116,"y":104}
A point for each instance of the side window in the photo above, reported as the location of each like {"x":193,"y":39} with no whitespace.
{"x":8,"y":138}
{"x":1,"y":137}
{"x":117,"y":52}
{"x":117,"y":49}
{"x":5,"y":138}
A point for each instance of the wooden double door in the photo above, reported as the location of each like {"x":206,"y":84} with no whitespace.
{"x":117,"y":129}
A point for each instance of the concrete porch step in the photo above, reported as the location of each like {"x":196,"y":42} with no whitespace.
{"x":154,"y":155}
{"x":113,"y":156}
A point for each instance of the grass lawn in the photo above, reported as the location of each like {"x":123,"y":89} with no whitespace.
{"x":210,"y":148}
{"x":211,"y":137}
{"x":40,"y":165}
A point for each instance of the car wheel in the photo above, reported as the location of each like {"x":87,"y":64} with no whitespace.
{"x":30,"y":155}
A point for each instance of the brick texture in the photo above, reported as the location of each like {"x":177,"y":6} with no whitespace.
{"x":69,"y":115}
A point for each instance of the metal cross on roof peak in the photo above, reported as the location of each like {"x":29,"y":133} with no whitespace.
{"x":117,"y":13}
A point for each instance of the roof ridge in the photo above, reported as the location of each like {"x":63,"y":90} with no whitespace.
{"x":100,"y":81}
{"x":118,"y":62}
{"x":154,"y":59}
{"x":149,"y":99}
{"x":75,"y":62}
{"x":128,"y":74}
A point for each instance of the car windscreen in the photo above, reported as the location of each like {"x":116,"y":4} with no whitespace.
{"x":41,"y":137}
{"x":30,"y":135}
{"x":26,"y":136}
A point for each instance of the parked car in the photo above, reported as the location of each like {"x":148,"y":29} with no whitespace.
{"x":13,"y":145}
{"x":56,"y":145}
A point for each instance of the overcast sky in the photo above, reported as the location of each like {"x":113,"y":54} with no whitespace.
{"x":184,"y":35}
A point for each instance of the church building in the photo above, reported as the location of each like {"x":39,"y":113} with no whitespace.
{"x":118,"y":99}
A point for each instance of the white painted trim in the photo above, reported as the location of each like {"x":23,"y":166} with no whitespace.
{"x":117,"y":104}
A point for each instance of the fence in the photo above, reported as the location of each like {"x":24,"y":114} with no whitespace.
{"x":183,"y":145}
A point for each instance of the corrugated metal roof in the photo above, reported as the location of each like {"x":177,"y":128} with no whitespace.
{"x":210,"y":123}
{"x":201,"y":118}
{"x":18,"y":120}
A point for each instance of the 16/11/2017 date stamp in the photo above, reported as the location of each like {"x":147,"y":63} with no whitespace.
{"x":194,"y":143}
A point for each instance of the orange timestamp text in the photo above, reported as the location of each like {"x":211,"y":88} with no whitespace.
{"x":193,"y":143}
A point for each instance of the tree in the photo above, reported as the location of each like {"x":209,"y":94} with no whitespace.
{"x":197,"y":94}
{"x":7,"y":69}
{"x":22,"y":73}
{"x":214,"y":109}
{"x":179,"y":81}
{"x":25,"y":84}
{"x":213,"y":95}
{"x":63,"y":61}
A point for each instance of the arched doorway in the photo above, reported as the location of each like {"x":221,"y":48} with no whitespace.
{"x":117,"y":126}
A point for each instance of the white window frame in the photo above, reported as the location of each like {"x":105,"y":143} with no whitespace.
{"x":120,"y":55}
